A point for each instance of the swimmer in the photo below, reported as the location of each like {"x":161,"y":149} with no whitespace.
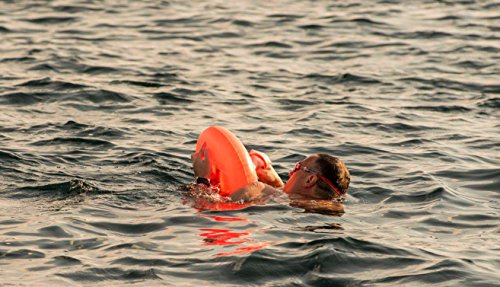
{"x":317,"y":183}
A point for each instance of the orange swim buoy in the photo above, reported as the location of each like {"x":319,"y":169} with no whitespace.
{"x":232,"y":168}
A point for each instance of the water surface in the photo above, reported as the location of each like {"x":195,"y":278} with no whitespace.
{"x":101,"y":103}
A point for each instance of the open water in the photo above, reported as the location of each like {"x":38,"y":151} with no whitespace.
{"x":101,"y":103}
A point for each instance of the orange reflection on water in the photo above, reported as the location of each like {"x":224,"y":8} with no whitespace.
{"x":247,"y":249}
{"x":224,"y":218}
{"x":215,"y":236}
{"x":228,"y":237}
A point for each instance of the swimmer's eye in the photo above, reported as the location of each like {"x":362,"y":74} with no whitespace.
{"x":324,"y":179}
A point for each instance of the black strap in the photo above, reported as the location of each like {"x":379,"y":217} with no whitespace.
{"x":202,"y":180}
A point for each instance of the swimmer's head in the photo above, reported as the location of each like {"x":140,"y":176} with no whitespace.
{"x":319,"y":176}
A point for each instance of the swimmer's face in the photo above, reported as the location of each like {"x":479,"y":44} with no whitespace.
{"x":299,"y":177}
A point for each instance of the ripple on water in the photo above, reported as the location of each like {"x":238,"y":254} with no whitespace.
{"x":21,"y":254}
{"x":93,"y":96}
{"x":55,"y":20}
{"x":61,"y":190}
{"x":105,"y":274}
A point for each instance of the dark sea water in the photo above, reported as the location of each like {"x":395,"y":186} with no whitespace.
{"x":101,"y":103}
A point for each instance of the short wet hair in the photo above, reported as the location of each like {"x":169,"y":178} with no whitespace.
{"x":335,"y":171}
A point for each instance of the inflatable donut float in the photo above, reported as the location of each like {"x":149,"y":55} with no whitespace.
{"x":232,"y":167}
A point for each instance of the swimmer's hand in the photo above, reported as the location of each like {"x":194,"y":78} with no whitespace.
{"x":201,"y":163}
{"x":264,"y":169}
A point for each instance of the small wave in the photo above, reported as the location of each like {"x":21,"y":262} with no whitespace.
{"x":310,"y":132}
{"x":9,"y":156}
{"x":475,"y":217}
{"x":447,"y":18}
{"x":165,"y":176}
{"x":18,"y":59}
{"x":435,"y":222}
{"x":359,"y":149}
{"x":102,"y":132}
{"x":421,"y":35}
{"x":437,"y":193}
{"x":4,"y":30}
{"x":477,"y":65}
{"x":94,"y":70}
{"x":448,"y":276}
{"x":453,"y":85}
{"x":410,"y":142}
{"x":294,"y":104}
{"x":139,"y":83}
{"x":441,"y":109}
{"x":191,"y":92}
{"x":20,"y":98}
{"x":346,"y":44}
{"x":166,"y":78}
{"x":397,"y":127}
{"x":276,"y":55}
{"x":49,"y":231}
{"x":222,"y":35}
{"x":311,"y":27}
{"x":387,"y":44}
{"x":113,"y":26}
{"x":478,"y":48}
{"x":50,"y":84}
{"x":193,"y":20}
{"x":65,"y":261}
{"x":72,"y":125}
{"x":124,"y":228}
{"x":99,"y":96}
{"x":363,"y":21}
{"x":74,"y":8}
{"x":243,"y":23}
{"x":61,"y":65}
{"x":75,"y":32}
{"x":174,"y":37}
{"x":106,"y":274}
{"x":493,"y":103}
{"x":52,"y":20}
{"x":44,"y":67}
{"x":271,"y":44}
{"x":477,"y":179}
{"x":342,"y":78}
{"x":70,"y":36}
{"x":75,"y":141}
{"x":21,"y":254}
{"x":63,"y":190}
{"x":282,"y":18}
{"x":142,"y":262}
{"x":54,"y":231}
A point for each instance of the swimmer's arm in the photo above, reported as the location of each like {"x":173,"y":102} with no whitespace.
{"x":254,"y":192}
{"x":264,"y":169}
{"x":270,"y":176}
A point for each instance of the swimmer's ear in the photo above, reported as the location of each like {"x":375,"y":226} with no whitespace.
{"x":311,"y":180}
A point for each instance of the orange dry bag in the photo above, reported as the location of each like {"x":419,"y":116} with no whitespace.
{"x":231,"y":167}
